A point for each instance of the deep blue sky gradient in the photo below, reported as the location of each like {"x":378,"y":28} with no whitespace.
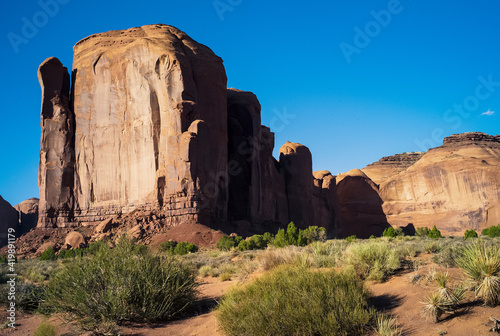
{"x":391,"y":98}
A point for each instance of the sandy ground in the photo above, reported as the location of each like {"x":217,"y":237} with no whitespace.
{"x":398,"y":297}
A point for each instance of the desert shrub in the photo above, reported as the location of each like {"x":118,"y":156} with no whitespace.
{"x":422,"y":231}
{"x":3,"y":259}
{"x":432,"y":247}
{"x":167,"y":246}
{"x":94,"y":247}
{"x":28,"y":296}
{"x":371,"y":260}
{"x":389,"y":232}
{"x":48,"y":254}
{"x":117,"y":285}
{"x":45,"y":329}
{"x":72,"y":253}
{"x":470,"y":234}
{"x":482,"y":264}
{"x":297,"y":301}
{"x":447,"y":255}
{"x":351,"y":239}
{"x":314,"y":234}
{"x":185,"y":248}
{"x":435,"y":233}
{"x":225,"y":276}
{"x":328,"y":253}
{"x":228,"y":242}
{"x":492,"y":231}
{"x":173,"y":247}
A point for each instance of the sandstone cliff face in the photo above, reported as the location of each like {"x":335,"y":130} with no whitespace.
{"x":389,"y":166}
{"x":455,"y":186}
{"x":9,"y":218}
{"x":147,"y":102}
{"x":361,"y":212}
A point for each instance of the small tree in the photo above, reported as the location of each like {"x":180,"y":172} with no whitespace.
{"x":226,"y":243}
{"x":280,"y":239}
{"x":389,"y":232}
{"x":470,"y":234}
{"x":48,"y":254}
{"x":435,"y":233}
{"x":292,"y":234}
{"x":422,"y":231}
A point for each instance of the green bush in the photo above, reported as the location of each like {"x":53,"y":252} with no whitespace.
{"x":492,"y":231}
{"x":435,"y":233}
{"x":470,"y":234}
{"x":280,"y":239}
{"x":45,"y":329}
{"x":313,"y":234}
{"x":372,"y":260}
{"x":226,"y":242}
{"x":167,"y":246}
{"x":72,"y":253}
{"x":422,"y":231}
{"x":48,"y":254}
{"x":28,"y":296}
{"x":389,"y":232}
{"x":351,"y":239}
{"x":296,"y":301}
{"x":185,"y":248}
{"x":117,"y":285}
{"x":173,"y":247}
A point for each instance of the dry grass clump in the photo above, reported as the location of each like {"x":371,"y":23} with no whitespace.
{"x":291,"y":300}
{"x":290,"y":255}
{"x":372,"y":260}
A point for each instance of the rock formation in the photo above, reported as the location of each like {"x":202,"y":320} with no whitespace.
{"x":9,"y":218}
{"x":389,"y":166}
{"x":28,"y":210}
{"x":152,"y":137}
{"x":56,"y":169}
{"x":455,"y":186}
{"x":361,"y":212}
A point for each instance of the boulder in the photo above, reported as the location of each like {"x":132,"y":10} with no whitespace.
{"x":74,"y":240}
{"x":105,"y":225}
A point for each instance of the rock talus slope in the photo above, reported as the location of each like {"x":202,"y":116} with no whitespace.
{"x":455,"y":186}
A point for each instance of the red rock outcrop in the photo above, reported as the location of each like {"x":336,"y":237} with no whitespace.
{"x":455,"y":186}
{"x":57,"y":154}
{"x":151,"y":137}
{"x":361,"y":212}
{"x":148,"y":102}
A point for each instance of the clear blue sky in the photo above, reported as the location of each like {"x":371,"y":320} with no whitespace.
{"x":393,"y":95}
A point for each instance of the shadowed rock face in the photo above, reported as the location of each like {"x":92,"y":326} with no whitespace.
{"x":361,"y":212}
{"x":9,"y":218}
{"x":455,"y":186}
{"x":57,"y":160}
{"x":256,"y":190}
{"x":29,"y":214}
